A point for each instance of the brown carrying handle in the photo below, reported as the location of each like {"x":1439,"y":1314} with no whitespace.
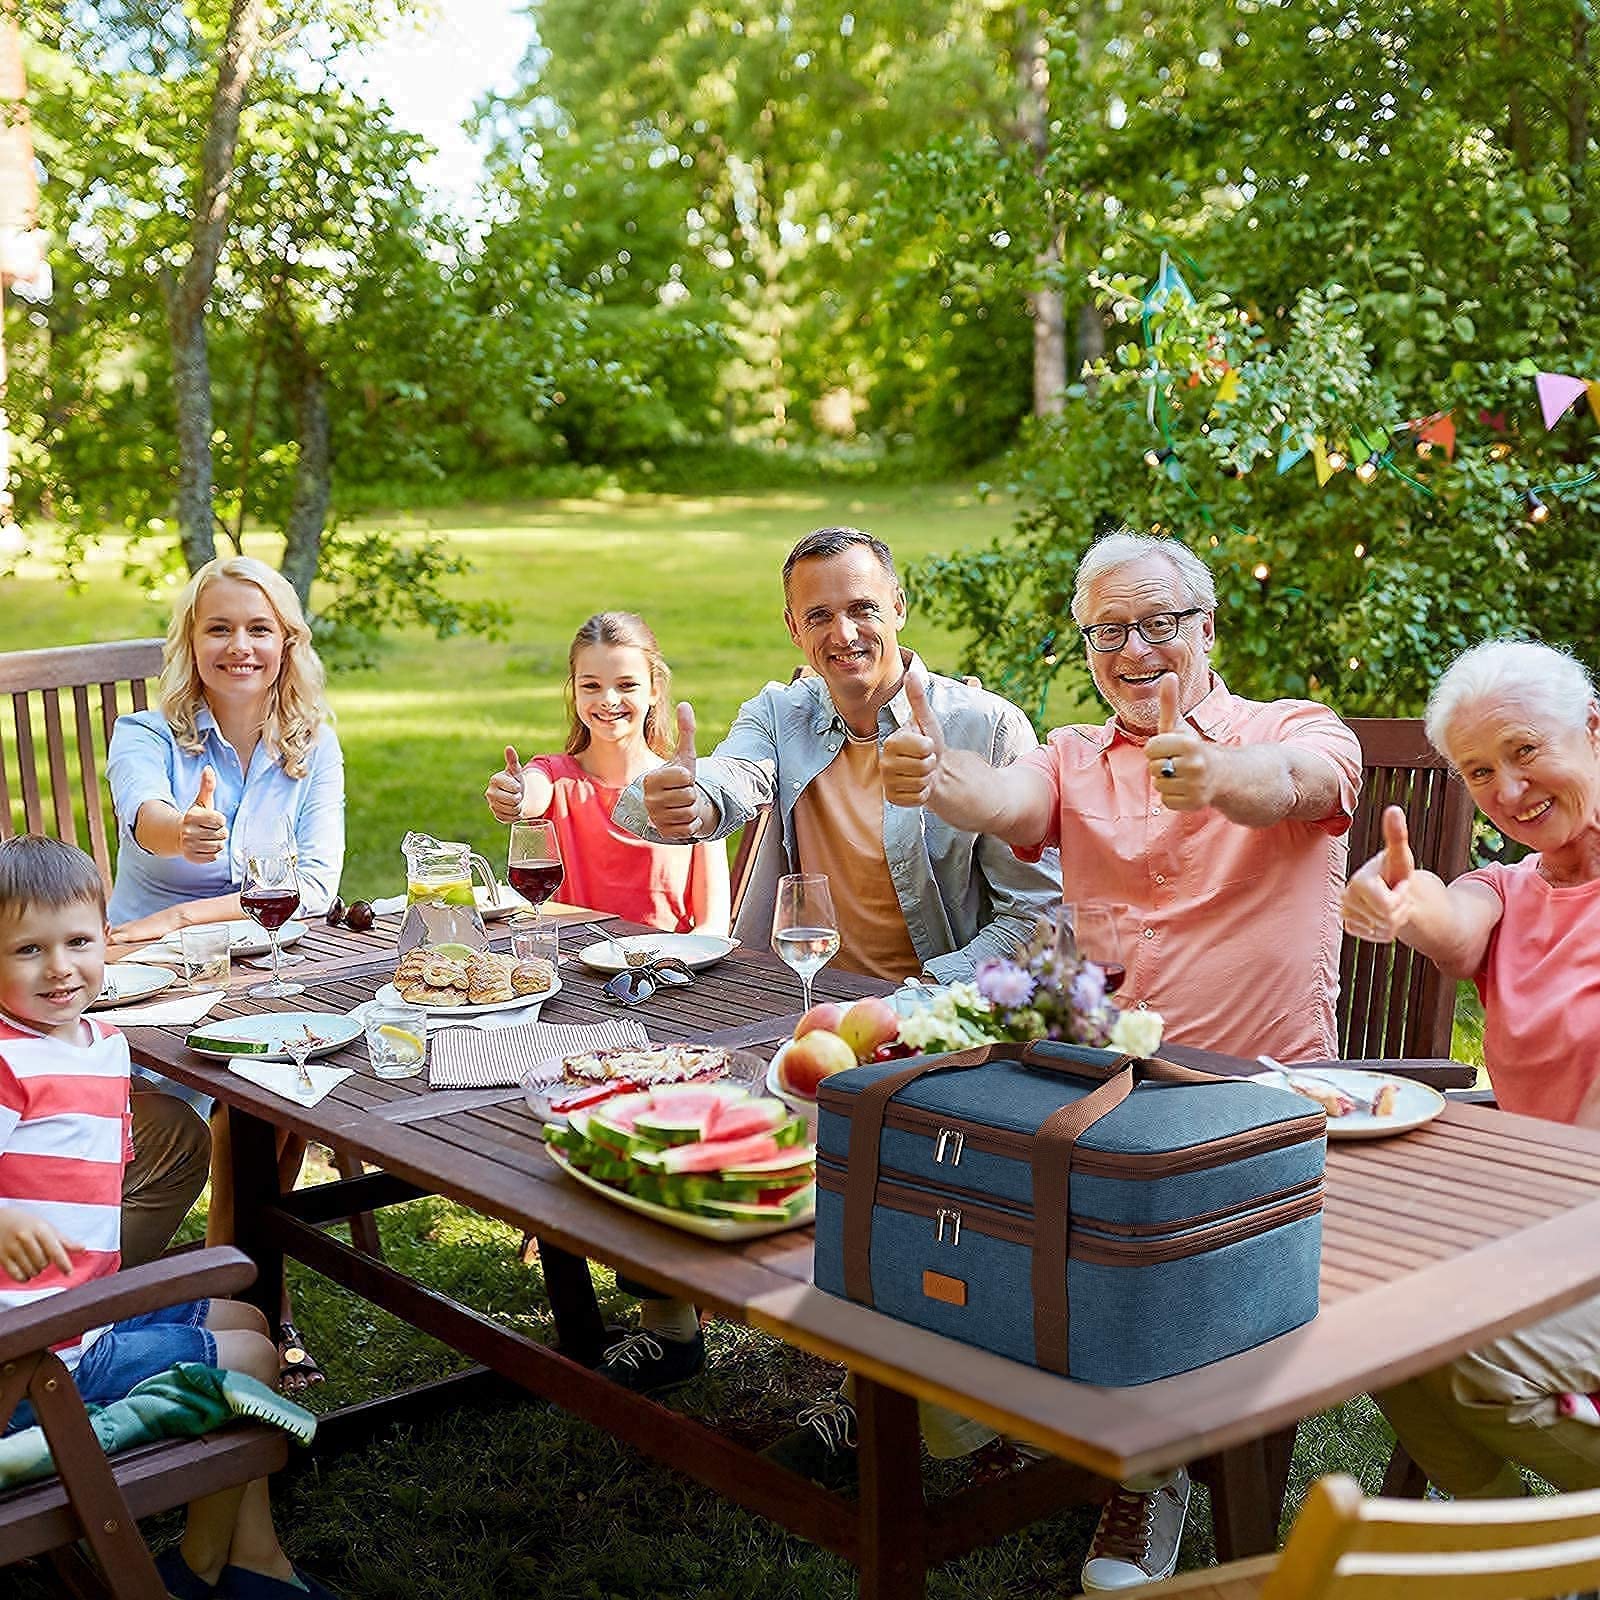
{"x":1052,"y":1168}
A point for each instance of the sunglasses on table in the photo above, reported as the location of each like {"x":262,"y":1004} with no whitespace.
{"x":635,"y":985}
{"x":1160,"y":627}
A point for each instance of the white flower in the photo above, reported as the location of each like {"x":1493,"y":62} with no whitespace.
{"x":1137,"y":1033}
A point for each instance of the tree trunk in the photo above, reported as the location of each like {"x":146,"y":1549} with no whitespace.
{"x":1045,"y":303}
{"x":313,"y":473}
{"x":1516,"y":117}
{"x":187,"y":297}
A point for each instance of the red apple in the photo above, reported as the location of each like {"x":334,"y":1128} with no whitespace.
{"x":867,"y":1024}
{"x":808,"y":1060}
{"x":825,"y":1014}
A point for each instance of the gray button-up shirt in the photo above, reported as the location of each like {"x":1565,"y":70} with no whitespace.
{"x":965,"y":896}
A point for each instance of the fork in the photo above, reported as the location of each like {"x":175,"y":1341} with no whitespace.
{"x":1360,"y":1102}
{"x":299,"y":1050}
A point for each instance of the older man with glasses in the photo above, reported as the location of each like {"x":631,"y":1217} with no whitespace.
{"x":1214,"y":824}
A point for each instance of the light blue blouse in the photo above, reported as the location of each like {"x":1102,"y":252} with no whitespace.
{"x":145,"y":763}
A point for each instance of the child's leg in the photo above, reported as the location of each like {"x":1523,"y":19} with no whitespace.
{"x":235,"y":1525}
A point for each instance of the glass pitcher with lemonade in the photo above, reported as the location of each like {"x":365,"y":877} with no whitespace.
{"x":440,"y":908}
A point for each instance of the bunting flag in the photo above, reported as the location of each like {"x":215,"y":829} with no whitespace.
{"x":1319,"y":459}
{"x":1228,"y":389}
{"x":1439,"y":429}
{"x":1169,"y":285}
{"x":1558,"y":393}
{"x":1290,"y":450}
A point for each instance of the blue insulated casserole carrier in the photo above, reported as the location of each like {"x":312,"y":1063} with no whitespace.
{"x":1112,"y":1220}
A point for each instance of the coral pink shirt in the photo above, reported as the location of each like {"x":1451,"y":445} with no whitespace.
{"x":609,"y":868}
{"x":1540,"y":986}
{"x":1232,"y":933}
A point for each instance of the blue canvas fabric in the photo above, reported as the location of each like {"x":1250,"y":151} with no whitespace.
{"x":1213,"y":1247}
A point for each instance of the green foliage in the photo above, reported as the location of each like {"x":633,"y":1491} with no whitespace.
{"x":1366,"y":249}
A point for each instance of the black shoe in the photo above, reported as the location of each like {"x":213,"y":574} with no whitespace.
{"x":823,"y":1446}
{"x":647,"y":1363}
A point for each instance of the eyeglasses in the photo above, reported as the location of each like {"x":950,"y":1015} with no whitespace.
{"x":1159,"y":628}
{"x":635,"y":985}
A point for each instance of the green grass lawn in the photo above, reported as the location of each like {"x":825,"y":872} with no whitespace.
{"x":426,"y":726}
{"x":531,"y":1503}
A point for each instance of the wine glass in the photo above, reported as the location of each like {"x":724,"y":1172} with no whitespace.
{"x":271,"y":895}
{"x":805,"y":932}
{"x":1097,"y":935}
{"x":534,"y":865}
{"x":275,"y":836}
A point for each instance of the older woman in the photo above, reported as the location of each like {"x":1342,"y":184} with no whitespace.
{"x":1521,"y":724}
{"x":239,"y":746}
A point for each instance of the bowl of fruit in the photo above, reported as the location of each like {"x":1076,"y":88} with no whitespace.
{"x":830,"y":1038}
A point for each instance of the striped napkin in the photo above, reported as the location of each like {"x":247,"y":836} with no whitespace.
{"x":468,"y":1058}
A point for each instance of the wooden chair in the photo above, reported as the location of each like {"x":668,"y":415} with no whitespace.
{"x":64,"y":795}
{"x":93,"y":1496}
{"x":1392,"y":1001}
{"x":63,"y":792}
{"x":1347,"y":1547}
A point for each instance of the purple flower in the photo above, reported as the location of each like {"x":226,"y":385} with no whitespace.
{"x":1088,"y":990}
{"x":1004,"y":984}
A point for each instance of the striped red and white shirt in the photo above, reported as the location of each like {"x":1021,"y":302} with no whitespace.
{"x":65,"y":1136}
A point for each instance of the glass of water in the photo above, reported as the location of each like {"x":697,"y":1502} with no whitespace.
{"x":805,"y":931}
{"x":205,"y":956}
{"x":397,"y":1040}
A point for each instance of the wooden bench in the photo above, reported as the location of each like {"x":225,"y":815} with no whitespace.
{"x":100,"y":1498}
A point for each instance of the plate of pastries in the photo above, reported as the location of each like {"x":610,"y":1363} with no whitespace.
{"x":464,"y":982}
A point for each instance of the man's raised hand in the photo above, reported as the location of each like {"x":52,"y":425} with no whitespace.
{"x":911,"y":755}
{"x":203,"y":830}
{"x":1377,"y":899}
{"x":676,"y":806}
{"x":504,"y":793}
{"x":1181,"y":766}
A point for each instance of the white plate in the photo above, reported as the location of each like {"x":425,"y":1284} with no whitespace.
{"x":721,"y":1228}
{"x":1414,"y":1103}
{"x":511,"y":903}
{"x":245,"y":939}
{"x":692,"y":949}
{"x":334,"y":1030}
{"x":388,"y":995}
{"x":127,"y":981}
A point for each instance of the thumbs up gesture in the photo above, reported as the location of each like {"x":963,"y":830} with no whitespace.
{"x":677,"y":808}
{"x":203,"y":830}
{"x":912,"y":755}
{"x":504,"y":793}
{"x":1182,"y":765}
{"x":1378,"y":898}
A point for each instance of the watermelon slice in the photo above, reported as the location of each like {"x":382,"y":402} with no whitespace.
{"x":711,"y":1155}
{"x":740,"y":1119}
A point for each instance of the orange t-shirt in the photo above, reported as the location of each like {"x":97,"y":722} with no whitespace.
{"x":610,"y":869}
{"x":1540,"y":986}
{"x":1231,"y":933}
{"x":838,"y":829}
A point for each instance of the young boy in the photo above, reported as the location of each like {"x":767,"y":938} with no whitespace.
{"x":64,"y":1139}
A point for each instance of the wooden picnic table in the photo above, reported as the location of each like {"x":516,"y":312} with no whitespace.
{"x":1434,"y":1241}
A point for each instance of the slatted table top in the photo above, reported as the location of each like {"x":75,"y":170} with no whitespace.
{"x":1434,"y":1240}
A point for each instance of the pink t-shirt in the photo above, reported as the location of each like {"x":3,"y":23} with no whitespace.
{"x":609,"y":868}
{"x":1232,"y":933}
{"x":1540,"y":986}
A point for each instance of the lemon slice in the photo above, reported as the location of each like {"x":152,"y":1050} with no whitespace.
{"x":456,"y":952}
{"x":405,"y":1045}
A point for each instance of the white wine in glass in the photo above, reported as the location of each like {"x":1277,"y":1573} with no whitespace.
{"x":805,"y":932}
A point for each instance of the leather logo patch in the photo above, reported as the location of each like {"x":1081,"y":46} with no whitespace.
{"x":938,"y":1286}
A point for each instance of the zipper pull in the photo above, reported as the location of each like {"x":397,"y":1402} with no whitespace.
{"x":947,"y":1216}
{"x":950,"y":1141}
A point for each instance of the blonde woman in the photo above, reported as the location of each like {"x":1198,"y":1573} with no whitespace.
{"x":240,"y":744}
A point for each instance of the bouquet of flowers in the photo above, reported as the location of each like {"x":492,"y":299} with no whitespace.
{"x":1046,"y":992}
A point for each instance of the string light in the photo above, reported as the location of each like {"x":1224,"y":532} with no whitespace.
{"x":1424,"y":448}
{"x":1361,"y":550}
{"x":1368,"y":470}
{"x":1261,"y":572}
{"x":1499,"y":450}
{"x":1336,"y":461}
{"x":1538,"y":511}
{"x":1355,"y":663}
{"x":1155,"y":458}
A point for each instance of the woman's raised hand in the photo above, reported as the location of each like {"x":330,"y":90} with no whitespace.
{"x":1377,"y":899}
{"x":203,"y":830}
{"x":504,"y":793}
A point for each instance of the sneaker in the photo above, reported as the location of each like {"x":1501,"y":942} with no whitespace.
{"x":822,"y":1445}
{"x":647,"y":1363}
{"x":1137,"y":1538}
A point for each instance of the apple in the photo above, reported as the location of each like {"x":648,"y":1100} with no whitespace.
{"x":826,"y":1014}
{"x":867,"y":1024}
{"x":810,"y":1059}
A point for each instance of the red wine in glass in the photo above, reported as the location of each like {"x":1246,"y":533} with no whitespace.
{"x":536,"y":881}
{"x":271,"y":908}
{"x":1115,"y":974}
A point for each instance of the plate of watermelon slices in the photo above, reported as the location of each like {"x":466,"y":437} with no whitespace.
{"x":713,"y":1159}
